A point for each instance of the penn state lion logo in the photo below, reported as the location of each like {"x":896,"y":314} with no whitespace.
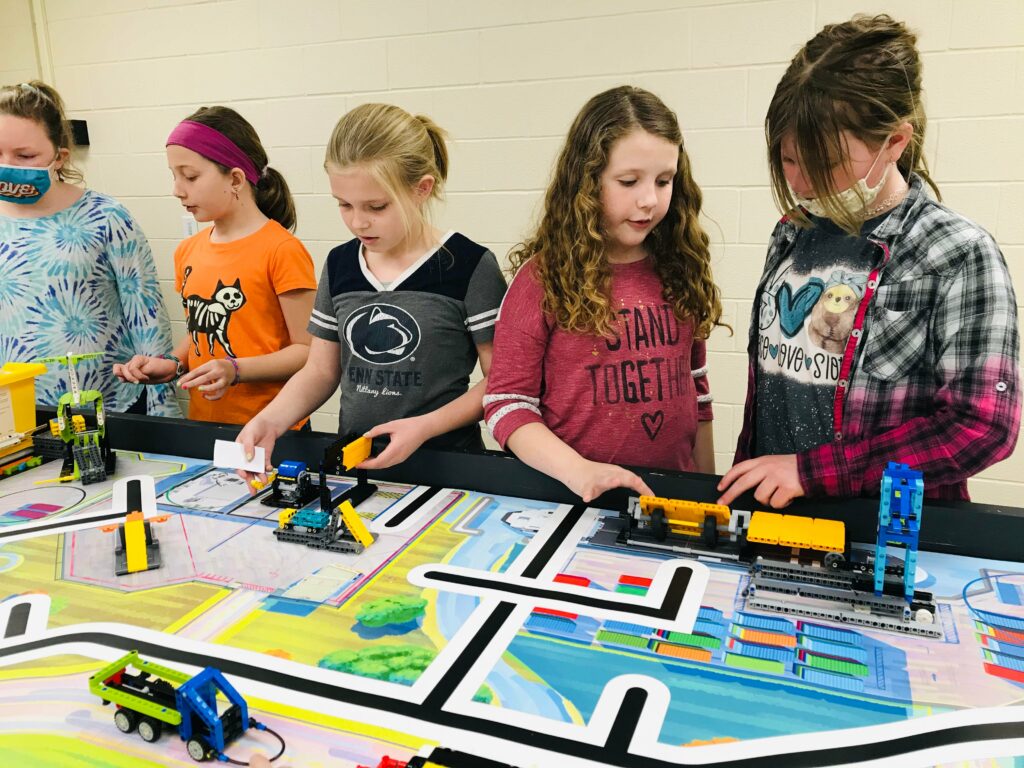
{"x":382,"y":333}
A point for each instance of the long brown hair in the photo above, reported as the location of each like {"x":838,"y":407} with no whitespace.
{"x":273,"y":197}
{"x":861,"y":76}
{"x":35,"y":100}
{"x":569,"y":247}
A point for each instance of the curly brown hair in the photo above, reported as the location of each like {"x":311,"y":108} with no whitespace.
{"x":861,"y":76}
{"x":568,"y":250}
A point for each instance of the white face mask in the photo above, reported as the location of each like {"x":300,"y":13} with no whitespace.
{"x":854,"y":201}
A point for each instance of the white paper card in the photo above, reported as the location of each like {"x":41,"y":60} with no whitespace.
{"x":231,"y":455}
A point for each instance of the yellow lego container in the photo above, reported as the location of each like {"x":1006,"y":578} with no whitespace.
{"x":18,"y":405}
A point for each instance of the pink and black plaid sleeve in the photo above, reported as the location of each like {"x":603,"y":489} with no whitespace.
{"x":950,"y":419}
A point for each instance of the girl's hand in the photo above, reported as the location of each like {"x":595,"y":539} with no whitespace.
{"x":212,"y":378}
{"x":592,"y":479}
{"x":776,"y":478}
{"x":145,"y":369}
{"x":257,"y":433}
{"x":406,"y":436}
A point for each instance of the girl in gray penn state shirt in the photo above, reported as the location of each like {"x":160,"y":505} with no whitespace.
{"x":403,"y":312}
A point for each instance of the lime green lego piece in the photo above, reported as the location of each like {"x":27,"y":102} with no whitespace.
{"x":99,"y":687}
{"x":757,"y":665}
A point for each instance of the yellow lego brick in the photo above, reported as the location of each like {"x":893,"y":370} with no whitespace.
{"x":286,"y":516}
{"x":78,"y":423}
{"x":135,"y":542}
{"x":259,"y":486}
{"x":796,"y":531}
{"x":719,"y":511}
{"x":54,"y":428}
{"x":764,"y":527}
{"x":356,"y":452}
{"x":829,"y":535}
{"x":355,"y":524}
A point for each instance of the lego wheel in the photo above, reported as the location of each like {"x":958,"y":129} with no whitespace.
{"x":150,"y":729}
{"x":659,"y":528}
{"x":125,"y":720}
{"x":198,"y":750}
{"x":834,"y":560}
{"x":924,"y":616}
{"x":710,"y":534}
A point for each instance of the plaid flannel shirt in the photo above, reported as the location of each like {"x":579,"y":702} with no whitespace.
{"x":929,"y":375}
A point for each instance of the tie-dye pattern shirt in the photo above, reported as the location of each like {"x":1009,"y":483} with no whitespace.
{"x":83,"y":280}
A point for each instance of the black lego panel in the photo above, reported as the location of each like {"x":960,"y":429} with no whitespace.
{"x":975,"y":530}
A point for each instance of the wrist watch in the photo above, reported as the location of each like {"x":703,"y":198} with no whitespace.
{"x":180,"y":369}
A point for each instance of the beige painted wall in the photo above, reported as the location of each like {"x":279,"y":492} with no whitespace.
{"x":506,"y":79}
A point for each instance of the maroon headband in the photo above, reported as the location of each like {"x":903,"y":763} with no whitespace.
{"x":213,"y":145}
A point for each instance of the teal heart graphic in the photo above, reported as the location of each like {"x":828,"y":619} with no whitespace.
{"x":808,"y":362}
{"x":794,"y":309}
{"x":773,"y":350}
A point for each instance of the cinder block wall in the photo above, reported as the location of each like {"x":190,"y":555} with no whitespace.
{"x":505,"y":79}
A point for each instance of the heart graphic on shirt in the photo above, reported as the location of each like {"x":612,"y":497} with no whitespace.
{"x":808,"y":362}
{"x":773,"y":350}
{"x":652,"y":423}
{"x":794,"y":309}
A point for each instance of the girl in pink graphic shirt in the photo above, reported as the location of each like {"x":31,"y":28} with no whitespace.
{"x":599,"y":355}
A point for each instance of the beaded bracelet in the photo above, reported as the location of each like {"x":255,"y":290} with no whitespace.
{"x":238,"y":374}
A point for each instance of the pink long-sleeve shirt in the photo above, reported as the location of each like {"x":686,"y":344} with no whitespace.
{"x":634,"y":398}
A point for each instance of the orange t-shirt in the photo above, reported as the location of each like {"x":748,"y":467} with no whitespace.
{"x":229,"y":292}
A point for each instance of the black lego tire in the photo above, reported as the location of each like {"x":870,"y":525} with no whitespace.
{"x":710,"y":532}
{"x":125,"y":720}
{"x":659,"y":526}
{"x":198,"y":750}
{"x":150,"y":729}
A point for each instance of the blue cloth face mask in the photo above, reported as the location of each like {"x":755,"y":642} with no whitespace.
{"x":24,"y":184}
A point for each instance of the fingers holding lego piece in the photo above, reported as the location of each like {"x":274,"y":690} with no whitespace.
{"x":406,"y":435}
{"x":257,"y":434}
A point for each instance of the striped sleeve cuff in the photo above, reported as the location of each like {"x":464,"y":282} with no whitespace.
{"x":323,"y":326}
{"x":506,"y":413}
{"x":483,"y":320}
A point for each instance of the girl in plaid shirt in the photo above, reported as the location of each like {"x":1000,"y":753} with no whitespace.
{"x":884,"y":326}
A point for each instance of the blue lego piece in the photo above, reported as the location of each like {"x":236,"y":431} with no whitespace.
{"x":291,"y":469}
{"x":899,"y":522}
{"x":198,"y":696}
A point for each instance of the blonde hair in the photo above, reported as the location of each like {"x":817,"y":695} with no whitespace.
{"x":861,"y":76}
{"x":397,"y":149}
{"x":568,"y":249}
{"x":35,"y":100}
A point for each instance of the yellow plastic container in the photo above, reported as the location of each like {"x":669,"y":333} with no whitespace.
{"x":17,"y":405}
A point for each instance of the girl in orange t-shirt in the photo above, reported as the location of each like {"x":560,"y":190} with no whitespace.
{"x":246,"y":283}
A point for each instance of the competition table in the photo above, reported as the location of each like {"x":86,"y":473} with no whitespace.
{"x":493,"y":616}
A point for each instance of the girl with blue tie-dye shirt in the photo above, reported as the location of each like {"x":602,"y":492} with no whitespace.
{"x":76,"y":271}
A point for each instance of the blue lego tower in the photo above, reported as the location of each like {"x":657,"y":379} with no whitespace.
{"x":899,"y":522}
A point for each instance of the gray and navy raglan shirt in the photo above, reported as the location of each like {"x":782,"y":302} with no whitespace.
{"x":408,"y":347}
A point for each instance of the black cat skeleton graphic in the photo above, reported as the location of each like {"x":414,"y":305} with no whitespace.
{"x":211,"y":315}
